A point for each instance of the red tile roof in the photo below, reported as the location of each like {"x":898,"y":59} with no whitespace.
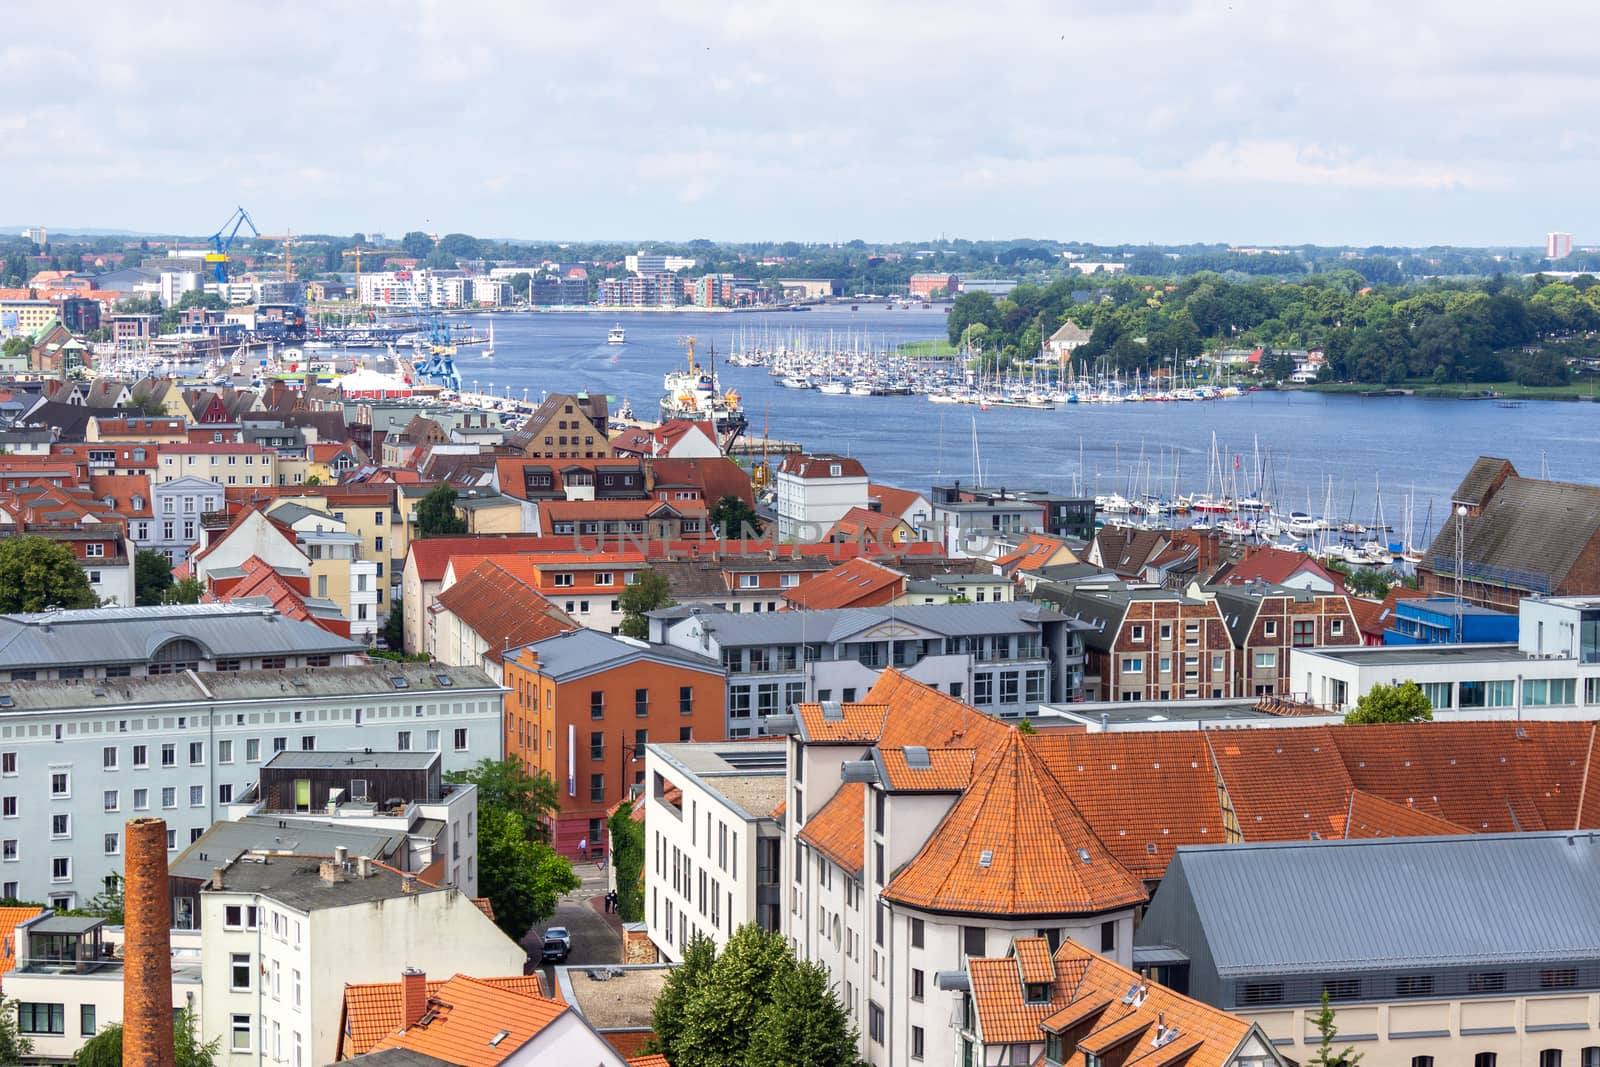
{"x":1373,"y":816}
{"x":820,"y":466}
{"x":858,"y":583}
{"x":1015,"y":845}
{"x":715,"y":477}
{"x":835,"y":829}
{"x":432,"y":556}
{"x":503,"y":610}
{"x":1035,"y":550}
{"x":1284,"y":784}
{"x":474,"y":1023}
{"x":860,"y":723}
{"x":893,"y":502}
{"x":9,"y":918}
{"x":1264,"y":563}
{"x":947,"y":770}
{"x":374,"y":1010}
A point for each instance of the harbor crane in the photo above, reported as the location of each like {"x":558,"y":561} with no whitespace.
{"x":222,"y":240}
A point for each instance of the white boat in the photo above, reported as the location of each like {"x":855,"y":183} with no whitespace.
{"x":617,"y":336}
{"x":795,"y":381}
{"x":860,"y":389}
{"x":833,"y":387}
{"x":488,"y":351}
{"x":1114,"y":504}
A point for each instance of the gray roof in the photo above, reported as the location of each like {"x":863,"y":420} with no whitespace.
{"x":133,"y":635}
{"x":227,"y":840}
{"x":221,"y":687}
{"x":398,"y":1057}
{"x":1419,"y":655}
{"x":1529,"y":534}
{"x":839,"y":624}
{"x":579,"y":652}
{"x":748,"y":775}
{"x":296,"y":881}
{"x":1386,"y":903}
{"x":291,"y":513}
{"x":65,"y":924}
{"x":331,"y":759}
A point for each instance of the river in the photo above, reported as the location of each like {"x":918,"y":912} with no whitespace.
{"x":1306,"y":441}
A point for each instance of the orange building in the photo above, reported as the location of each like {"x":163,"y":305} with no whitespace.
{"x":581,"y":707}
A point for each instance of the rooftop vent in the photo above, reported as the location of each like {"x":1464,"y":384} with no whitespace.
{"x":917,"y":758}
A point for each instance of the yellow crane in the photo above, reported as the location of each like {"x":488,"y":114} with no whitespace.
{"x":358,"y":251}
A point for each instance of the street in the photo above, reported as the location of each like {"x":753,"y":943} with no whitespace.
{"x":596,"y":936}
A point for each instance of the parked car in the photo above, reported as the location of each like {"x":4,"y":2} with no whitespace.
{"x":557,"y":945}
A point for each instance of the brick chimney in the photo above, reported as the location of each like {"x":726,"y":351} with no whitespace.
{"x":147,"y":954}
{"x":413,"y":997}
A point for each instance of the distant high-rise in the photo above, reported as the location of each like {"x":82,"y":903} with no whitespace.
{"x":1557,"y":245}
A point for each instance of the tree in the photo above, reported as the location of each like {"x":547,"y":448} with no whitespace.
{"x":14,"y":1048}
{"x":394,"y":627}
{"x":507,"y":785}
{"x":1326,"y":1057}
{"x":522,"y":878}
{"x":185,"y":591}
{"x":37,"y":573}
{"x":627,"y":860}
{"x":1403,"y":702}
{"x":417,"y":244}
{"x":1370,"y":581}
{"x":649,"y":592}
{"x":436,"y":514}
{"x":731,"y":517}
{"x":152,"y":576}
{"x":16,"y":348}
{"x":803,"y":1024}
{"x":105,"y":1048}
{"x":313,"y":480}
{"x":683,"y":982}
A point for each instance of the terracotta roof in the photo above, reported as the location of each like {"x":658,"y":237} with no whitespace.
{"x":842,"y":723}
{"x":1033,"y":959}
{"x":9,"y":918}
{"x":432,"y":556}
{"x":473,"y":1023}
{"x":835,"y":829}
{"x":1373,"y":816}
{"x":859,"y":520}
{"x":858,"y":583}
{"x":917,"y":714}
{"x":800,"y":465}
{"x":938,"y":770}
{"x":374,"y":1010}
{"x":1269,"y":565}
{"x":653,"y":1060}
{"x":1014,"y":845}
{"x":893,"y":502}
{"x":503,"y":610}
{"x":1035,"y":551}
{"x":1004,"y":1016}
{"x":1109,"y":1035}
{"x":1284,"y":784}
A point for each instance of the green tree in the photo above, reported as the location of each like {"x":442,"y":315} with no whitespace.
{"x":16,"y":348}
{"x":14,"y":1048}
{"x":803,"y":1024}
{"x":105,"y":1048}
{"x":185,"y":591}
{"x":313,"y":480}
{"x":152,"y":576}
{"x":731,"y":517}
{"x":1323,"y":1020}
{"x":522,"y":878}
{"x":417,"y":244}
{"x":507,"y":785}
{"x":436,"y":514}
{"x":1370,"y":581}
{"x":1402,"y":702}
{"x":668,"y":1016}
{"x":649,"y":592}
{"x":394,"y":627}
{"x":720,"y":1019}
{"x":627,"y":860}
{"x":37,"y":573}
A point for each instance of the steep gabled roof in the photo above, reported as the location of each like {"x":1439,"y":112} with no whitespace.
{"x":503,"y":610}
{"x":835,"y":829}
{"x":374,"y":1010}
{"x":1014,"y":845}
{"x":473,"y":1023}
{"x":1373,"y":816}
{"x":1284,"y":784}
{"x":856,"y":583}
{"x":9,"y":918}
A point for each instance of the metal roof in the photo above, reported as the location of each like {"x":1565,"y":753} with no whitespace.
{"x":840,"y":624}
{"x":329,"y":759}
{"x":227,"y":840}
{"x":133,"y":635}
{"x":583,"y":651}
{"x":1391,"y":903}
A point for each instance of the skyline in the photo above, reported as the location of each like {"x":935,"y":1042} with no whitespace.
{"x":1153,"y":123}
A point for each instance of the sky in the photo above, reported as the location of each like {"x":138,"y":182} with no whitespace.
{"x":1356,"y":122}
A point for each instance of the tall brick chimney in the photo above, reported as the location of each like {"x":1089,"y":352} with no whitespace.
{"x":413,"y":996}
{"x":147,"y":954}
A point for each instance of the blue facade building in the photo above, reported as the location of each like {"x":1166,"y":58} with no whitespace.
{"x":1447,"y":621}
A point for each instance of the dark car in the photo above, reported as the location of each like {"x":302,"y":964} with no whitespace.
{"x":557,"y":945}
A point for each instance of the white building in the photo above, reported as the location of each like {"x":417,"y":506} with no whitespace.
{"x":78,"y":758}
{"x":713,"y":847}
{"x":177,"y":505}
{"x":174,"y":283}
{"x":814,"y":492}
{"x":281,"y":936}
{"x":1552,"y":672}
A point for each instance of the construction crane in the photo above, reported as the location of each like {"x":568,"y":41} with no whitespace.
{"x":288,"y":250}
{"x":358,"y":252}
{"x":222,"y":240}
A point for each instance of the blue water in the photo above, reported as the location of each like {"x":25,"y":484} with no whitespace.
{"x":1305,"y":439}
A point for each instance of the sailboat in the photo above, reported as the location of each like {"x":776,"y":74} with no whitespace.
{"x":488,"y":350}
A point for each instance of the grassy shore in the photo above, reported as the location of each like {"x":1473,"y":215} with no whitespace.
{"x":936,"y":349}
{"x":1464,"y":391}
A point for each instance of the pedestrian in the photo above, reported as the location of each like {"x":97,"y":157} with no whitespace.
{"x":583,"y":848}
{"x":613,"y":901}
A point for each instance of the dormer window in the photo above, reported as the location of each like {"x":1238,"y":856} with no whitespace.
{"x":1036,"y":992}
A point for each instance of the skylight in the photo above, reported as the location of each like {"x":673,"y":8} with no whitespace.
{"x":399,"y":682}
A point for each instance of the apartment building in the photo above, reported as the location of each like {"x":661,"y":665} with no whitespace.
{"x":1005,"y":658}
{"x":490,"y":610}
{"x":583,"y":705}
{"x":176,"y":507}
{"x":78,"y":756}
{"x":814,"y":492}
{"x":221,"y":462}
{"x":584,"y":585}
{"x":1267,"y":622}
{"x":1148,"y":644}
{"x":713,"y":844}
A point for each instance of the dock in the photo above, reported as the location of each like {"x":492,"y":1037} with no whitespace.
{"x":757,"y":446}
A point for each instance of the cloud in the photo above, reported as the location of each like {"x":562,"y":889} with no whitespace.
{"x":1290,"y":163}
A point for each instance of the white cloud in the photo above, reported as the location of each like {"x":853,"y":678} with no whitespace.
{"x":1289,"y":163}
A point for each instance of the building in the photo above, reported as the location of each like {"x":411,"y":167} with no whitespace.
{"x":1520,"y":537}
{"x":1266,"y":622}
{"x":282,"y":935}
{"x":1445,"y":620}
{"x":77,"y":756}
{"x":582,"y":706}
{"x":1149,"y":644}
{"x":1035,"y":1005}
{"x":374,"y":1010}
{"x":1005,"y":658}
{"x":655,"y":263}
{"x":1487,"y":953}
{"x":1552,"y":671}
{"x":107,"y":643}
{"x":738,"y":789}
{"x":177,"y":506}
{"x":224,"y":463}
{"x":566,"y":427}
{"x":489,"y":610}
{"x":814,"y":492}
{"x":422,"y":576}
{"x":975,"y":520}
{"x":927,"y":286}
{"x":1069,"y":337}
{"x":1557,"y":245}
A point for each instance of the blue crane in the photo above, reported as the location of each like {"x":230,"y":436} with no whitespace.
{"x":440,"y":363}
{"x":222,"y":240}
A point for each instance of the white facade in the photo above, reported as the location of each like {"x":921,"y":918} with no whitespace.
{"x":176,"y":507}
{"x":74,"y":766}
{"x":711,"y":865}
{"x":808,"y":507}
{"x":112,"y":581}
{"x":174,"y":283}
{"x":276,"y":985}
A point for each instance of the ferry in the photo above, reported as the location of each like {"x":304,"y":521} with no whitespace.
{"x":696,"y":395}
{"x":617,"y":336}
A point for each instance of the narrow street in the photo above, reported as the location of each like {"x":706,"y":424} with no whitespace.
{"x":596,"y":935}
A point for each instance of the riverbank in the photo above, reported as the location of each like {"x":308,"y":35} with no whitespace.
{"x":1468,"y":391}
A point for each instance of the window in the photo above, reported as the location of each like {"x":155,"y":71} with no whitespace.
{"x":141,"y":799}
{"x":597,"y":746}
{"x":597,"y":788}
{"x":86,"y":1025}
{"x":239,"y":972}
{"x":1266,"y":661}
{"x":917,"y":1045}
{"x":875,"y":1023}
{"x":239,"y":1033}
{"x":1558,"y":978}
{"x":641,"y":702}
{"x":252,"y":750}
{"x":1484,"y":1059}
{"x":111,"y":800}
{"x":973,"y":941}
{"x":1589,"y":1057}
{"x":1342,"y":988}
{"x":916,"y":933}
{"x":169,"y":755}
{"x":1542,"y":692}
{"x":60,"y":826}
{"x":1132,"y":665}
{"x":61,"y":869}
{"x":403,"y":741}
{"x":1261,"y":993}
{"x":60,"y":784}
{"x":917,"y":981}
{"x":197,"y":796}
{"x":597,"y":705}
{"x":1550,"y":1057}
{"x":1305,"y":633}
{"x":169,"y":796}
{"x":1414,"y":985}
{"x":108,"y":758}
{"x":42,"y":1018}
{"x":8,"y":764}
{"x":1136,"y":634}
{"x":459,"y":739}
{"x":1108,"y":936}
